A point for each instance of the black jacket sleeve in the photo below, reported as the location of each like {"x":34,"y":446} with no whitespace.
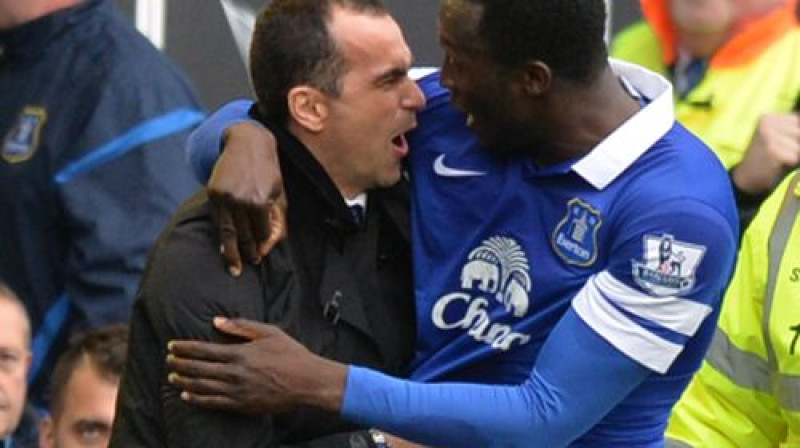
{"x":185,"y":286}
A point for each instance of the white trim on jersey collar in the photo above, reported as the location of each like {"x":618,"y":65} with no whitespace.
{"x":628,"y":142}
{"x":417,"y":73}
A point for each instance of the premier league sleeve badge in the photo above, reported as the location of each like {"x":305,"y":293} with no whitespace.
{"x":668,"y":266}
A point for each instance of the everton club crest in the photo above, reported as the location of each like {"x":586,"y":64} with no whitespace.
{"x":22,"y":139}
{"x":575,"y":237}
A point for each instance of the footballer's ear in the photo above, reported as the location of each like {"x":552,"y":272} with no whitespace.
{"x":535,"y":77}
{"x":308,"y":107}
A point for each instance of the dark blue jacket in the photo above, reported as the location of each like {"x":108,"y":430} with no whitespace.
{"x":27,"y":432}
{"x":92,"y":124}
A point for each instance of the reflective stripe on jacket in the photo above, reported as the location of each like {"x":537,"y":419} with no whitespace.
{"x":747,"y":393}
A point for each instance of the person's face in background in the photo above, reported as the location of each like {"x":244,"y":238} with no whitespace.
{"x":703,"y":16}
{"x":718,"y":16}
{"x":705,"y":25}
{"x":85,"y":419}
{"x":15,"y":359}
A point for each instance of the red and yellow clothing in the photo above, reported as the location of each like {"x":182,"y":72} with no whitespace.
{"x":756,"y":72}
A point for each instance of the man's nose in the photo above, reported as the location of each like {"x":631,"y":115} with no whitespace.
{"x":414,"y":99}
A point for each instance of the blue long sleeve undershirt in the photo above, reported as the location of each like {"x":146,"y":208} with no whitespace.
{"x":203,"y":144}
{"x":578,"y":378}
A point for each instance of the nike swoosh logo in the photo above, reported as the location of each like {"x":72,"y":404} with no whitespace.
{"x":441,"y":169}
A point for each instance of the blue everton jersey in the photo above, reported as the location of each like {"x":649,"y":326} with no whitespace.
{"x":638,"y":238}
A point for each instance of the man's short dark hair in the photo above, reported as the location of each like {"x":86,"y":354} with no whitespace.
{"x":292,"y":46}
{"x":566,"y":35}
{"x":104,"y":348}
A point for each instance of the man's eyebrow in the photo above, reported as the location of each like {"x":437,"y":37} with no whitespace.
{"x":392,"y":74}
{"x":10,"y":349}
{"x":93,"y":423}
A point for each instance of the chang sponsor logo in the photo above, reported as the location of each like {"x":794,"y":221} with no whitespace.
{"x":495,"y":272}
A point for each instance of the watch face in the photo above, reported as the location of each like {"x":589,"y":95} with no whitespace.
{"x":378,"y":438}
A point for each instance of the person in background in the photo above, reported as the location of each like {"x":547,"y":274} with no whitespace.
{"x":332,"y":84}
{"x":18,"y":422}
{"x":572,"y":243}
{"x":734,"y":64}
{"x":83,"y":390}
{"x":93,"y":119}
{"x":747,"y":393}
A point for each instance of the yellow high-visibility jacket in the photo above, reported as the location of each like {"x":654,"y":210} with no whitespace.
{"x":756,"y":72}
{"x":747,"y":392}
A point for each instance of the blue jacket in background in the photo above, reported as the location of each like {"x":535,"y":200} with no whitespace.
{"x":92,"y":124}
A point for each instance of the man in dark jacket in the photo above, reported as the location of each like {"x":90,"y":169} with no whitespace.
{"x":331,"y":80}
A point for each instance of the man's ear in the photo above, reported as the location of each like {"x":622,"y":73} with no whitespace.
{"x":47,"y":432}
{"x":308,"y":107}
{"x":536,"y":77}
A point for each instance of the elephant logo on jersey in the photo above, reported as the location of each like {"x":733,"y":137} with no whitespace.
{"x":22,"y":139}
{"x":668,"y":265}
{"x":496,"y":271}
{"x":575,"y":237}
{"x":499,"y":267}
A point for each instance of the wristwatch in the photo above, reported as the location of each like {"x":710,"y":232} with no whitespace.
{"x":379,"y":439}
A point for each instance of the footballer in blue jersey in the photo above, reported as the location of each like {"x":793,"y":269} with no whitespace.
{"x":582,"y":281}
{"x":494,"y":276}
{"x":625,"y":241}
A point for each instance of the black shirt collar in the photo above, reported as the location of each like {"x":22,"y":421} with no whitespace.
{"x":308,"y":175}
